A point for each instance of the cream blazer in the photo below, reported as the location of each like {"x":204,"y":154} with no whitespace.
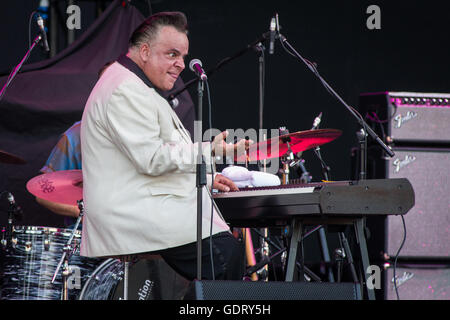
{"x":139,"y":182}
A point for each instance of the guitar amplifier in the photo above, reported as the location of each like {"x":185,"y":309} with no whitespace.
{"x":408,"y":117}
{"x":418,"y":282}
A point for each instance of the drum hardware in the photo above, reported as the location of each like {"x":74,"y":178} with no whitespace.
{"x":14,"y":213}
{"x":288,"y":158}
{"x":308,"y":274}
{"x":46,"y":240}
{"x":126,"y":268}
{"x":68,"y":251}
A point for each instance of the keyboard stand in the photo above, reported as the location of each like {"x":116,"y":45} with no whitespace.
{"x":297,"y":229}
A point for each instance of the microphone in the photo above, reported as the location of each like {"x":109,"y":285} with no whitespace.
{"x":317,"y":121}
{"x":273,"y":25}
{"x":196,"y":66}
{"x":11,"y":199}
{"x":40,"y":23}
{"x":174,"y":102}
{"x":16,"y":210}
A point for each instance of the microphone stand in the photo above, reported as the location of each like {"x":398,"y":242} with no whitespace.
{"x":358,"y":118}
{"x":200,"y":176}
{"x":365,"y":130}
{"x":259,"y":47}
{"x":19,"y":66}
{"x":67,"y":254}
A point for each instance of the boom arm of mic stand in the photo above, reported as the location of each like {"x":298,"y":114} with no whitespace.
{"x":221,"y":63}
{"x":360,"y":120}
{"x":19,"y":66}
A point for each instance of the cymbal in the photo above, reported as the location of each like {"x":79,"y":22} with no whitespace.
{"x":64,"y":187}
{"x":299,"y":141}
{"x":9,"y":158}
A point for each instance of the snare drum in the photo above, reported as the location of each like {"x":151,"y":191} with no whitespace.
{"x":29,"y":265}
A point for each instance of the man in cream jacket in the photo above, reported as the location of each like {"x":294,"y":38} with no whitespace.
{"x":139,"y":162}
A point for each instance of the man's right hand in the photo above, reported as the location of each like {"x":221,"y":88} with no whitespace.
{"x":223,"y":149}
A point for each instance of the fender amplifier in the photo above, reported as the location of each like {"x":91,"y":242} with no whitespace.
{"x":408,"y":117}
{"x":428,"y":222}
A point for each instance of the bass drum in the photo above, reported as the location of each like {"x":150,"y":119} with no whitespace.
{"x":29,"y":264}
{"x":147,"y":280}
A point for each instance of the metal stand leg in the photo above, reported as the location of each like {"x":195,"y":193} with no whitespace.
{"x":325,"y":252}
{"x":125,"y":279}
{"x":65,"y":276}
{"x":359,"y":226}
{"x":348,"y":255}
{"x":292,"y":256}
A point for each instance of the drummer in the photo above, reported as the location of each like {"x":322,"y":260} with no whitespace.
{"x":66,"y":155}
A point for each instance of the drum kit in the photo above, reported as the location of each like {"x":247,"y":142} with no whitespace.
{"x":43,"y":263}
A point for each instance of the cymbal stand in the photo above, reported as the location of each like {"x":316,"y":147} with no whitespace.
{"x":69,"y":249}
{"x":305,"y":177}
{"x":259,"y":47}
{"x":288,"y":159}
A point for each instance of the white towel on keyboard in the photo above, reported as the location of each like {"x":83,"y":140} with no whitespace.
{"x":244,"y":178}
{"x":264,"y":179}
{"x":237,"y":173}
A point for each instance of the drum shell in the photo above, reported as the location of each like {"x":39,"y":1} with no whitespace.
{"x":30,"y":264}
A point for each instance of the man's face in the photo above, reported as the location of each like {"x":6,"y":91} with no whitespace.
{"x":164,"y":59}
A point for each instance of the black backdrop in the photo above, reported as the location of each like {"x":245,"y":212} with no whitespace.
{"x":409,"y":53}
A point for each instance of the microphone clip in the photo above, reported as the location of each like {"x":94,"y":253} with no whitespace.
{"x":15,"y":211}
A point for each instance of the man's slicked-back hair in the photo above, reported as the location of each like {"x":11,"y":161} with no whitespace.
{"x":149,"y":29}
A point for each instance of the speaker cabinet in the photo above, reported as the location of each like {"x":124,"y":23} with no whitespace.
{"x":408,"y":117}
{"x":428,"y":222}
{"x":418,"y":283}
{"x":260,"y":290}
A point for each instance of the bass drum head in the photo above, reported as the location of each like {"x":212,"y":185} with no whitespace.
{"x":147,"y":280}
